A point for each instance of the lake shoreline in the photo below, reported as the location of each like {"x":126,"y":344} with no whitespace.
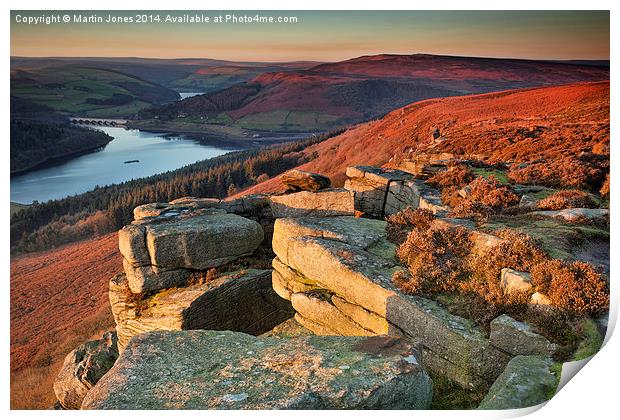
{"x":78,"y":172}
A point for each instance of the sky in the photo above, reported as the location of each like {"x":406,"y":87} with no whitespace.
{"x":319,"y":35}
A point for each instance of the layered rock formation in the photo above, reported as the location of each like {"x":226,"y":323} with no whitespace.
{"x":228,"y":370}
{"x":380,"y":192}
{"x":337,"y":273}
{"x":238,"y":301}
{"x":161,"y":251}
{"x":199,"y":264}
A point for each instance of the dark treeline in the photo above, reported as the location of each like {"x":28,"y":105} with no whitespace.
{"x":34,"y":142}
{"x":104,"y":209}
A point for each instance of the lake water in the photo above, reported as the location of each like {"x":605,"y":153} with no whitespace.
{"x":189,"y":94}
{"x":156,"y":153}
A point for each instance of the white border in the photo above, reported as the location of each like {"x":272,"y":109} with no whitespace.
{"x":590,"y":395}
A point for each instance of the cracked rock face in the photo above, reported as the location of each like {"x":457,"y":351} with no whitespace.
{"x":82,"y":369}
{"x":238,"y":301}
{"x":228,"y":370}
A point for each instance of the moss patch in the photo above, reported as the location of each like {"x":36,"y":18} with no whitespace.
{"x":487,"y":173}
{"x":448,"y":395}
{"x":591,"y":342}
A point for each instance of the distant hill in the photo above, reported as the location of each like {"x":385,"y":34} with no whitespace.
{"x":87,"y":91}
{"x":181,"y":75}
{"x":521,"y":125}
{"x":335,"y":94}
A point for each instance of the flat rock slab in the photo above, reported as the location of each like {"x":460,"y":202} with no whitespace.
{"x":324,"y":203}
{"x":527,"y":381}
{"x":574,"y":214}
{"x":518,"y":338}
{"x":202,"y":241}
{"x":227,"y":370}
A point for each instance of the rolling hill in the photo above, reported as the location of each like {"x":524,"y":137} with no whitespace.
{"x":519,"y":125}
{"x":336,"y":94}
{"x":88,"y":91}
{"x":181,"y":75}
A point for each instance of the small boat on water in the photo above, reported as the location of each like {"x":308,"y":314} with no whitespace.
{"x":132,"y":161}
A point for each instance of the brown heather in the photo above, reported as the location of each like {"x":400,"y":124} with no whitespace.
{"x":574,"y":286}
{"x":400,"y":224}
{"x":491,"y":193}
{"x":456,"y":176}
{"x":518,"y":251}
{"x":567,"y":199}
{"x":562,"y":173}
{"x":436,"y":258}
{"x":604,"y":191}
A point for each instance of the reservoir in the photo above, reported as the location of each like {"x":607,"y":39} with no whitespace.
{"x":132,"y":154}
{"x":189,"y":94}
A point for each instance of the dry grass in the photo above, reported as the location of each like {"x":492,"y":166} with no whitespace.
{"x":59,"y":299}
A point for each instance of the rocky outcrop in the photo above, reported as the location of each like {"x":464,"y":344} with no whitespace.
{"x":82,"y":369}
{"x":380,"y":192}
{"x":228,"y":370}
{"x":238,"y":301}
{"x":347,"y":264}
{"x":298,"y":180}
{"x":324,"y":203}
{"x":162,"y":251}
{"x":527,"y":381}
{"x":425,"y":165}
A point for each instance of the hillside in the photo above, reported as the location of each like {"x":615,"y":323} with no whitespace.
{"x":336,"y":94}
{"x":41,"y":136}
{"x":181,"y":75}
{"x":522,"y":125}
{"x":87,"y":91}
{"x":58,"y":299}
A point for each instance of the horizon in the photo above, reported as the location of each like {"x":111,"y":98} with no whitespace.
{"x":56,"y":57}
{"x":323,"y":36}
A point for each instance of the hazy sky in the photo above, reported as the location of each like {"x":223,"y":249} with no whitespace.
{"x":324,"y":36}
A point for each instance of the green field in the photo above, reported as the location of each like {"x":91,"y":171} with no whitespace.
{"x":15,"y":207}
{"x":68,"y":90}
